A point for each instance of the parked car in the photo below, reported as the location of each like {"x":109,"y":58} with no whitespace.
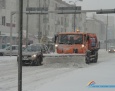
{"x":51,"y":47}
{"x":6,"y":51}
{"x":44,"y":48}
{"x":111,"y":49}
{"x":33,"y":54}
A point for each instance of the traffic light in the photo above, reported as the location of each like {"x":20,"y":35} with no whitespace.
{"x":106,"y":11}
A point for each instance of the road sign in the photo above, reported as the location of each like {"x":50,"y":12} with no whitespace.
{"x":69,"y":8}
{"x":37,"y":9}
{"x":61,"y":10}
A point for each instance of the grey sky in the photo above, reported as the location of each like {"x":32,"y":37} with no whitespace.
{"x":95,"y":4}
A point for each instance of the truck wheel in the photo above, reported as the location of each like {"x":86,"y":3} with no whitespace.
{"x":87,"y":59}
{"x":96,"y":58}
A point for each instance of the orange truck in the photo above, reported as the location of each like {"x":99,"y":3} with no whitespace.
{"x":77,"y":43}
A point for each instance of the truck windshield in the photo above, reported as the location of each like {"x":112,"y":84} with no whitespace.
{"x":70,"y":39}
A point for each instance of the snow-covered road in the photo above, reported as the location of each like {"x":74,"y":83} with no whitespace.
{"x":41,"y":78}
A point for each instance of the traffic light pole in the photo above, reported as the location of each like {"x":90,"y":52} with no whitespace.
{"x":67,"y":11}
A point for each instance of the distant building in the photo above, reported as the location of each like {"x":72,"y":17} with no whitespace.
{"x":98,"y":27}
{"x":111,"y":24}
{"x":45,"y":25}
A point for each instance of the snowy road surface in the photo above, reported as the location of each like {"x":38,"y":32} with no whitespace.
{"x":41,"y":78}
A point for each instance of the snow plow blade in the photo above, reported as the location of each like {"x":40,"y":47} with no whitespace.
{"x":64,"y":60}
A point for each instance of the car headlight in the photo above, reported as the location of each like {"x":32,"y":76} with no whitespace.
{"x":109,"y":50}
{"x":34,"y":55}
{"x":56,"y":45}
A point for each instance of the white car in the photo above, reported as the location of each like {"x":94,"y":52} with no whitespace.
{"x":111,"y":49}
{"x":6,"y":51}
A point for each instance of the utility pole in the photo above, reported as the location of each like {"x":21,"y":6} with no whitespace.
{"x":65,"y":23}
{"x":75,"y":14}
{"x":11,"y":34}
{"x":45,"y":19}
{"x":27,"y":21}
{"x":20,"y":2}
{"x":39,"y":25}
{"x":11,"y":25}
{"x":106,"y":32}
{"x":74,"y":22}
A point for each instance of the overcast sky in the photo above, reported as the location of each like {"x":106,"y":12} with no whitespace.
{"x":96,"y":4}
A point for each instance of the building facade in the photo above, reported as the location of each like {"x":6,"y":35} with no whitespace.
{"x":38,"y":25}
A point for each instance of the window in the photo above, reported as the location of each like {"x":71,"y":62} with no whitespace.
{"x":56,"y":6}
{"x":61,"y":20}
{"x":71,"y":39}
{"x":52,"y":15}
{"x":48,"y":3}
{"x":58,"y":22}
{"x":3,"y":20}
{"x":2,"y":4}
{"x":48,"y":27}
{"x":61,"y":29}
{"x":93,"y":42}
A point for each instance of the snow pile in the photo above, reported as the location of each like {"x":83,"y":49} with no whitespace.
{"x":101,"y":74}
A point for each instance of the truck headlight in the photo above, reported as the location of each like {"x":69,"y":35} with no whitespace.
{"x":56,"y":45}
{"x":34,"y":55}
{"x":83,"y":46}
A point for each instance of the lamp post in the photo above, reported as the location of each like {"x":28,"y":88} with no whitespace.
{"x":106,"y":32}
{"x":27,"y":25}
{"x":11,"y":14}
{"x":39,"y":24}
{"x":75,"y":13}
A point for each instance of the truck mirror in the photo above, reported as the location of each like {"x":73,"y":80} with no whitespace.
{"x":55,"y":38}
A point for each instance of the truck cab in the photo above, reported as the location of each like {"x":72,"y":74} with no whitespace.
{"x":77,"y":43}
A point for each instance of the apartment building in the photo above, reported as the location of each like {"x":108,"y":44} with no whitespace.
{"x":38,"y":24}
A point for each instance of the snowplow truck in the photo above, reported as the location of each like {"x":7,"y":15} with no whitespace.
{"x":76,"y":47}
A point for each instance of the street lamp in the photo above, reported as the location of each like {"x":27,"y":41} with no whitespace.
{"x":27,"y":21}
{"x":106,"y":32}
{"x":75,"y":13}
{"x":11,"y":14}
